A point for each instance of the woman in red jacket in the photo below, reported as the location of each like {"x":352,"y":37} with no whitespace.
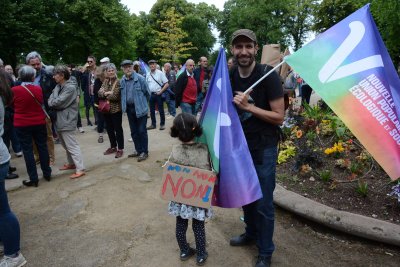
{"x":30,"y":124}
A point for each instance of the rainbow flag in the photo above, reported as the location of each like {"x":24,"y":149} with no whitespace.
{"x":238,"y":183}
{"x":349,"y":67}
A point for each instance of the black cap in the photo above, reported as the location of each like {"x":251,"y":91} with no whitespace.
{"x":244,"y":32}
{"x":126,"y":62}
{"x":152,"y":61}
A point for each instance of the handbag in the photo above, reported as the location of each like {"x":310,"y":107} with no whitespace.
{"x":104,"y":104}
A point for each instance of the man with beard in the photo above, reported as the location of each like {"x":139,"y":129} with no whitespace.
{"x":261,"y":112}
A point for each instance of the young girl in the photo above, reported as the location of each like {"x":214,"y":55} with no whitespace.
{"x":189,"y":153}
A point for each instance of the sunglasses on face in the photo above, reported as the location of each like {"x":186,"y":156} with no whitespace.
{"x":89,"y":61}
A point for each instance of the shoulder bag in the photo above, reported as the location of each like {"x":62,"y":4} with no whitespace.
{"x":104,"y":104}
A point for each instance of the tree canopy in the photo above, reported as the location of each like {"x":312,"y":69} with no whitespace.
{"x":174,"y":30}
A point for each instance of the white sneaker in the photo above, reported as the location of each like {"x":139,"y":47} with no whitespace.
{"x":13,"y":262}
{"x":18,"y":154}
{"x":130,"y":139}
{"x":81,"y":130}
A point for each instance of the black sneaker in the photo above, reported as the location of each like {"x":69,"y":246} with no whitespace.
{"x":151,"y":127}
{"x":185,"y":255}
{"x":263,"y":261}
{"x":201,"y":259}
{"x":135,"y":154}
{"x":142,"y":156}
{"x":242,"y":240}
{"x":11,"y":176}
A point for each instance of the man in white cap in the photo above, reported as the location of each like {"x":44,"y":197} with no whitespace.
{"x":104,"y":61}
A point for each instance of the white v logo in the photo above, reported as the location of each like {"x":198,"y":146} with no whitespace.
{"x":332,"y":71}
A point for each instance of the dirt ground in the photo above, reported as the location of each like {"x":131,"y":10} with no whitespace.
{"x":114,"y":216}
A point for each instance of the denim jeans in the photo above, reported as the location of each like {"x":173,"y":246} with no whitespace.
{"x":138,"y":130}
{"x":9,"y":226}
{"x":188,"y":108}
{"x":259,"y":215}
{"x":154,"y":98}
{"x":39,"y":135}
{"x":170,"y":100}
{"x":199,"y":102}
{"x":115,"y":131}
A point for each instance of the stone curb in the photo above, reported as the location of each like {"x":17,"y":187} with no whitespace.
{"x":347,"y":222}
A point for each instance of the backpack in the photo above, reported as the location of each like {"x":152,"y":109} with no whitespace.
{"x":290,"y":81}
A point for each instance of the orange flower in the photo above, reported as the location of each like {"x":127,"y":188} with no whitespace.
{"x":299,"y":133}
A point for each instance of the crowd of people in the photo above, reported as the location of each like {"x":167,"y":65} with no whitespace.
{"x":43,"y":103}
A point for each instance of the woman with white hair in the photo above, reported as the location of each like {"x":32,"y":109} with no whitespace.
{"x":110,"y":90}
{"x":30,"y":124}
{"x":63,"y":100}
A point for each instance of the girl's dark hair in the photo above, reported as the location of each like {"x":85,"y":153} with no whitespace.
{"x":5,"y":90}
{"x":186,"y":127}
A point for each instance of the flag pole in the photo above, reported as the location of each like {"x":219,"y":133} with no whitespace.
{"x":248,"y":91}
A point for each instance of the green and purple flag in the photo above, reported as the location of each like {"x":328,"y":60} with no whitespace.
{"x":238,"y":183}
{"x":349,"y":67}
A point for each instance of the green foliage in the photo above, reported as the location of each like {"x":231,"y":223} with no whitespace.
{"x":197,"y":22}
{"x":340,"y":129}
{"x":169,"y":46}
{"x":362,"y":188}
{"x":355,"y":167}
{"x":325,"y":175}
{"x":287,"y":150}
{"x":265,"y":18}
{"x":315,"y":112}
{"x":311,"y":135}
{"x":298,"y":22}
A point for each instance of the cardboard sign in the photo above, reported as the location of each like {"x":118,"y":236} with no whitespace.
{"x":271,"y":54}
{"x":188,"y":185}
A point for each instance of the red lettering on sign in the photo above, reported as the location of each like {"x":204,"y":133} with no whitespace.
{"x":184,"y":195}
{"x":201,"y":175}
{"x":212,"y":179}
{"x":174,"y":188}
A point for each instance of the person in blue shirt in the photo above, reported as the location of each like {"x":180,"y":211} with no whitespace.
{"x":135,"y":95}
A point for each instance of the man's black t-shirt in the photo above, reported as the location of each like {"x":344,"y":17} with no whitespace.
{"x":259,"y":134}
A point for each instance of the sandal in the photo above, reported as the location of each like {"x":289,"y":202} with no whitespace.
{"x":67,"y":167}
{"x":77,"y":175}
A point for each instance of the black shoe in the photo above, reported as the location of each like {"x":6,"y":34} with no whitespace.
{"x":30,"y":183}
{"x":12,"y":176}
{"x":89,"y":123}
{"x":12,"y":169}
{"x":135,"y":154}
{"x":263,"y":261}
{"x":47,"y":178}
{"x":151,"y":127}
{"x":242,"y":240}
{"x":201,"y":260}
{"x":185,"y":255}
{"x":142,"y":156}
